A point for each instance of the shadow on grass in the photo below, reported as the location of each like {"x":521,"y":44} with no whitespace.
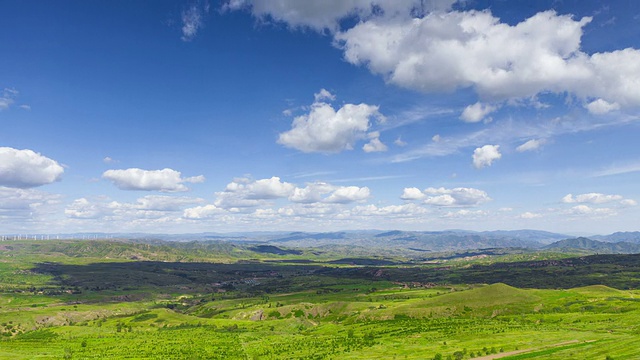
{"x":617,"y":271}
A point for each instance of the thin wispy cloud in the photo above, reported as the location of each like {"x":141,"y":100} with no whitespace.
{"x":509,"y":131}
{"x":193,"y":20}
{"x":618,"y":170}
{"x":369,"y":178}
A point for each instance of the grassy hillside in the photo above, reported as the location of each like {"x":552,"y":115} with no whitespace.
{"x":75,"y":300}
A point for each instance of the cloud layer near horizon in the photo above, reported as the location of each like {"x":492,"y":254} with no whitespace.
{"x":165,"y":180}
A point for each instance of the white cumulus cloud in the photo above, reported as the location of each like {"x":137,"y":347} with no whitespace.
{"x":423,"y":45}
{"x":84,"y":209}
{"x":321,"y":192}
{"x":165,"y":180}
{"x":374,"y":145}
{"x":474,"y":49}
{"x":271,"y":188}
{"x":326,"y":130}
{"x":486,"y":155}
{"x":27,"y":169}
{"x":405,"y":210}
{"x":324,"y":94}
{"x":585,"y":210}
{"x":412,"y":193}
{"x":202,"y":212}
{"x":476,"y":112}
{"x":451,"y":197}
{"x":244,"y":193}
{"x":456,"y":196}
{"x":348,"y":194}
{"x":312,"y":193}
{"x":600,"y":106}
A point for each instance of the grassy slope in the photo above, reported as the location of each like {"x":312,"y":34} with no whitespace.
{"x":318,"y":316}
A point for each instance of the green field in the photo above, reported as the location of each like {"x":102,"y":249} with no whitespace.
{"x":117,"y":299}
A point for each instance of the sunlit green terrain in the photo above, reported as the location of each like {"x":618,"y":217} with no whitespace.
{"x":116,"y":299}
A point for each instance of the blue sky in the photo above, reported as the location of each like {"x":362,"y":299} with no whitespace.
{"x":243,"y":115}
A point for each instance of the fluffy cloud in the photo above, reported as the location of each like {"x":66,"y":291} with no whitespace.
{"x":243,"y":192}
{"x":326,"y":130}
{"x":412,"y":194}
{"x":27,"y":169}
{"x":312,"y":193}
{"x":476,"y":112}
{"x":165,"y":180}
{"x":449,"y":51}
{"x":374,"y":145}
{"x":600,"y":106}
{"x":323,"y":94}
{"x":585,"y":210}
{"x":408,"y":210}
{"x":426,"y":46}
{"x":271,"y":188}
{"x":348,"y":194}
{"x":455,"y":197}
{"x":530,"y":145}
{"x":84,"y":209}
{"x":447,"y":197}
{"x":484,"y":156}
{"x":202,"y":212}
{"x":588,"y":204}
{"x":596,"y":198}
{"x":246,"y":193}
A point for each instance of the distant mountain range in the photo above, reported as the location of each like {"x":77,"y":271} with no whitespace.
{"x":450,"y":240}
{"x":596,"y":246}
{"x":631,"y":237}
{"x":421,"y":241}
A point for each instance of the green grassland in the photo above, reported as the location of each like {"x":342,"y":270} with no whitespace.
{"x":126,"y":300}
